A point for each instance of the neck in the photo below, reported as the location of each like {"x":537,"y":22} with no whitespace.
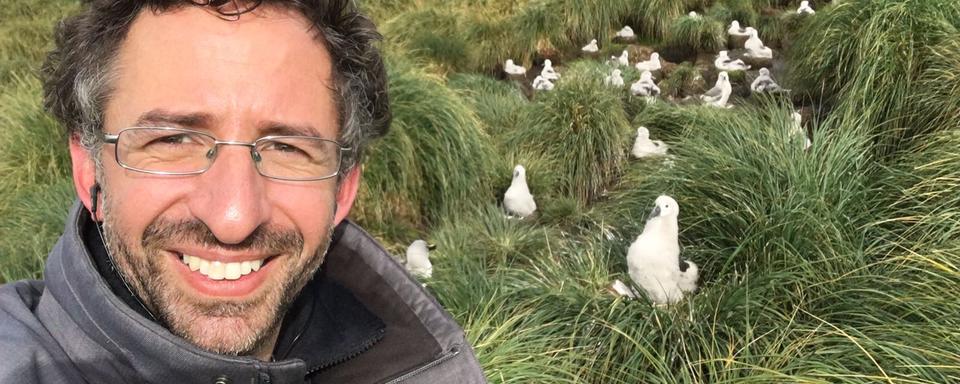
{"x":264,"y":351}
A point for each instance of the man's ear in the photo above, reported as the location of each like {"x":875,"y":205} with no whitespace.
{"x":346,"y":194}
{"x":84,"y":171}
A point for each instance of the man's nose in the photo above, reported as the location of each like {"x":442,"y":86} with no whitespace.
{"x":231,"y":195}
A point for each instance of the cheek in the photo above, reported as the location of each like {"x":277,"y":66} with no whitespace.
{"x":134,"y":200}
{"x":309,"y":210}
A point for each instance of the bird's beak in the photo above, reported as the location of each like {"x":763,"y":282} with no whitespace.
{"x":431,"y":246}
{"x":654,"y":213}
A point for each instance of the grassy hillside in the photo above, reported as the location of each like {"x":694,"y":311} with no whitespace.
{"x":837,"y":264}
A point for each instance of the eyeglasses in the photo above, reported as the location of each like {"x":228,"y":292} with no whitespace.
{"x":176,"y":151}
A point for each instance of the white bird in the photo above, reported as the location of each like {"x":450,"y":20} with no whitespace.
{"x":542,"y":84}
{"x":620,"y":288}
{"x":614,"y":79}
{"x":693,"y":14}
{"x":645,"y":86}
{"x":765,"y":83}
{"x":720,"y":93}
{"x":805,"y":8}
{"x":517,"y":200}
{"x":652,"y":64}
{"x":755,"y":47}
{"x":796,"y":128}
{"x":547,"y":72}
{"x":724,"y":63}
{"x":653,"y":258}
{"x":735,"y":29}
{"x":644,"y":147}
{"x":418,"y":259}
{"x":624,"y":58}
{"x":592,"y":47}
{"x":626,"y":33}
{"x":512,"y":69}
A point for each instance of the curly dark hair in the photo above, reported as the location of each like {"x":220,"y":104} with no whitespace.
{"x":77,"y":73}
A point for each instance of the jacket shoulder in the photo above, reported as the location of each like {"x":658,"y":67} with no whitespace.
{"x":422,"y":341}
{"x":28,"y":352}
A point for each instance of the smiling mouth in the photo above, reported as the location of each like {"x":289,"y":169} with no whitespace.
{"x":218,"y":270}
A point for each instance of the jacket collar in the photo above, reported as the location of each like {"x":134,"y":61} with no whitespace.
{"x":325,"y":326}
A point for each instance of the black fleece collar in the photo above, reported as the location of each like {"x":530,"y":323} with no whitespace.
{"x":326,"y":325}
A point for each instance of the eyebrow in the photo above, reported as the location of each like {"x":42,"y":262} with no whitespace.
{"x":204,"y":121}
{"x":184,"y":120}
{"x":281,"y":129}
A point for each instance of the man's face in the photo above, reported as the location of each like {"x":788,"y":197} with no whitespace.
{"x":238,"y":81}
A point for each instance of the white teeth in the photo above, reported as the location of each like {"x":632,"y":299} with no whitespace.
{"x":217,"y":270}
{"x":194,"y":263}
{"x":232,"y":271}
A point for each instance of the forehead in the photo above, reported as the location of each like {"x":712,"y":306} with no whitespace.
{"x":266,"y":68}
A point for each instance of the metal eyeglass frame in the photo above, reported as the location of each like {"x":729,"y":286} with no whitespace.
{"x":114,"y":139}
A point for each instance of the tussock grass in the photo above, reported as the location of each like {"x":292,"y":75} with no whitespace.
{"x":435,"y":161}
{"x":32,"y":219}
{"x":696,"y":34}
{"x":729,"y":10}
{"x":865,"y":57}
{"x":581,"y":123}
{"x":34,"y":145}
{"x":497,"y":104}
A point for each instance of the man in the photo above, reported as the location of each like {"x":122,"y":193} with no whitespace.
{"x":215,"y":147}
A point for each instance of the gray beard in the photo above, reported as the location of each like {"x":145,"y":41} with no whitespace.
{"x":250,"y":324}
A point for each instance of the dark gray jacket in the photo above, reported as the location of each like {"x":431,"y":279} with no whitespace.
{"x":71,"y":328}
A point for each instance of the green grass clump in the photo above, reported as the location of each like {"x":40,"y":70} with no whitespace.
{"x":581,"y":123}
{"x":696,"y":34}
{"x":497,"y":104}
{"x":432,"y":33}
{"x":729,"y":10}
{"x":436,"y":159}
{"x":751,"y":189}
{"x":865,"y":57}
{"x":684,"y":80}
{"x":926,"y":203}
{"x":32,"y":219}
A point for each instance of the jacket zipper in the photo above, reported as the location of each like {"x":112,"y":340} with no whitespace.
{"x":363,"y":348}
{"x":446,"y":356}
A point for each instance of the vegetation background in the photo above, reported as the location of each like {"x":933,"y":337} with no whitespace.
{"x":837,"y":264}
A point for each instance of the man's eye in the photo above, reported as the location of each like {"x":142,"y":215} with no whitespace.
{"x":284,"y":148}
{"x":174,"y":139}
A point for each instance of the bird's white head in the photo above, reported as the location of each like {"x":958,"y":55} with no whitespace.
{"x":764,"y":71}
{"x":419,"y":246}
{"x":735,"y":24}
{"x":624,"y":53}
{"x":753,"y":32}
{"x":643,"y":133}
{"x":617,"y":73}
{"x":724,"y":77}
{"x":797,"y":118}
{"x":655,"y":56}
{"x":519,"y":172}
{"x":593,"y":41}
{"x":646,"y":76}
{"x":510,"y":62}
{"x":665,"y":206}
{"x":547,"y":63}
{"x":722,"y":54}
{"x":804,"y":4}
